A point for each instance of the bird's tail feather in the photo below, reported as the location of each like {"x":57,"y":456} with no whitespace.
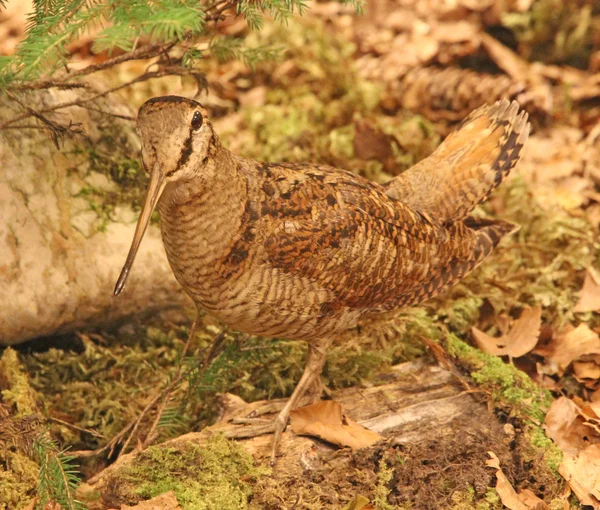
{"x":467,"y":166}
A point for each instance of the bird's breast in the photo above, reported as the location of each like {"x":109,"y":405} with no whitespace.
{"x":226,"y":272}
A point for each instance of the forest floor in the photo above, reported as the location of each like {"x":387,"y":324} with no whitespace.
{"x":515,"y":347}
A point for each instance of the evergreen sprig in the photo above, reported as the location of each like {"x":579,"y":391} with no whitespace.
{"x":129,"y":24}
{"x":58,"y":477}
{"x":229,"y":48}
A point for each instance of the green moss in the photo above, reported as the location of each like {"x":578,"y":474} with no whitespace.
{"x":552,"y":453}
{"x":18,"y":482}
{"x":466,"y":500}
{"x":460,"y":314}
{"x":514,"y":391}
{"x":492,"y":498}
{"x":215,"y":475}
{"x":381,"y":491}
{"x":507,"y":384}
{"x":103,"y":384}
{"x":115,"y":158}
{"x":555,"y":31}
{"x":312,"y":117}
{"x":17,"y":391}
{"x":351,"y":365}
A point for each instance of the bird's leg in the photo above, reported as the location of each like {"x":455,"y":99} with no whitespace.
{"x":317,"y":354}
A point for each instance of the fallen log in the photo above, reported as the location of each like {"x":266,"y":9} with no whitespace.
{"x":436,"y":435}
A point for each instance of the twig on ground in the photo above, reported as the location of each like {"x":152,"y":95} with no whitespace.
{"x":151,"y":436}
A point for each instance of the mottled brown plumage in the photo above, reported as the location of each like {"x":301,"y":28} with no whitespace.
{"x":303,"y":250}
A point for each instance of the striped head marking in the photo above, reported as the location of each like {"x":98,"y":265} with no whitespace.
{"x":177,"y":140}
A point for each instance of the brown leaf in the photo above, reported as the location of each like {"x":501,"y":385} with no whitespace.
{"x":326,"y":421}
{"x":532,"y":501}
{"x":566,"y":348}
{"x":582,"y":472}
{"x":166,"y":501}
{"x":593,"y":214}
{"x":256,"y":96}
{"x":525,"y":500}
{"x":359,"y":503}
{"x":569,"y":193}
{"x":371,"y":142}
{"x":568,"y":426}
{"x":587,"y":371}
{"x":589,"y":297}
{"x":589,"y":410}
{"x":521,"y":338}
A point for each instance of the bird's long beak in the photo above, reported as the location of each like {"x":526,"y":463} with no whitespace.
{"x":157,"y":185}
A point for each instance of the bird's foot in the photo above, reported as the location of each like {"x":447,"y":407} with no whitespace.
{"x":279,"y":425}
{"x":259,"y":427}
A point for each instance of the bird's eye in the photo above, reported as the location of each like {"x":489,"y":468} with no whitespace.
{"x":197,"y":121}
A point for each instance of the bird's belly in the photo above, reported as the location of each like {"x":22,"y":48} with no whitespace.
{"x":261,"y":300}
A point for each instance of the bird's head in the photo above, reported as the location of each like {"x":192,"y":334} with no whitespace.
{"x":177,"y":139}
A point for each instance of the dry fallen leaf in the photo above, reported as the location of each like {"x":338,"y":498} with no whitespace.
{"x":587,"y":371}
{"x":569,"y":193}
{"x":589,"y":297}
{"x":525,"y":500}
{"x":593,"y":214}
{"x":521,"y":338}
{"x":570,"y":346}
{"x":531,"y":500}
{"x":568,"y":426}
{"x":166,"y":501}
{"x":326,"y":421}
{"x":582,"y":472}
{"x":359,"y":503}
{"x":589,"y":410}
{"x":31,"y":505}
{"x":370,"y":142}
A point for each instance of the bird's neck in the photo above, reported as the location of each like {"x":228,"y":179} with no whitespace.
{"x":201,"y":220}
{"x":220,"y":180}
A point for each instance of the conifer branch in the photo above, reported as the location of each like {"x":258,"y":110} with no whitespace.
{"x":57,"y":478}
{"x":82,"y":102}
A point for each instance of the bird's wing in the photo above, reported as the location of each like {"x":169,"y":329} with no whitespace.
{"x":467,"y":166}
{"x":370,"y":251}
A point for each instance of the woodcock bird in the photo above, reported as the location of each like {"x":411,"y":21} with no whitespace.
{"x":303,"y":251}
